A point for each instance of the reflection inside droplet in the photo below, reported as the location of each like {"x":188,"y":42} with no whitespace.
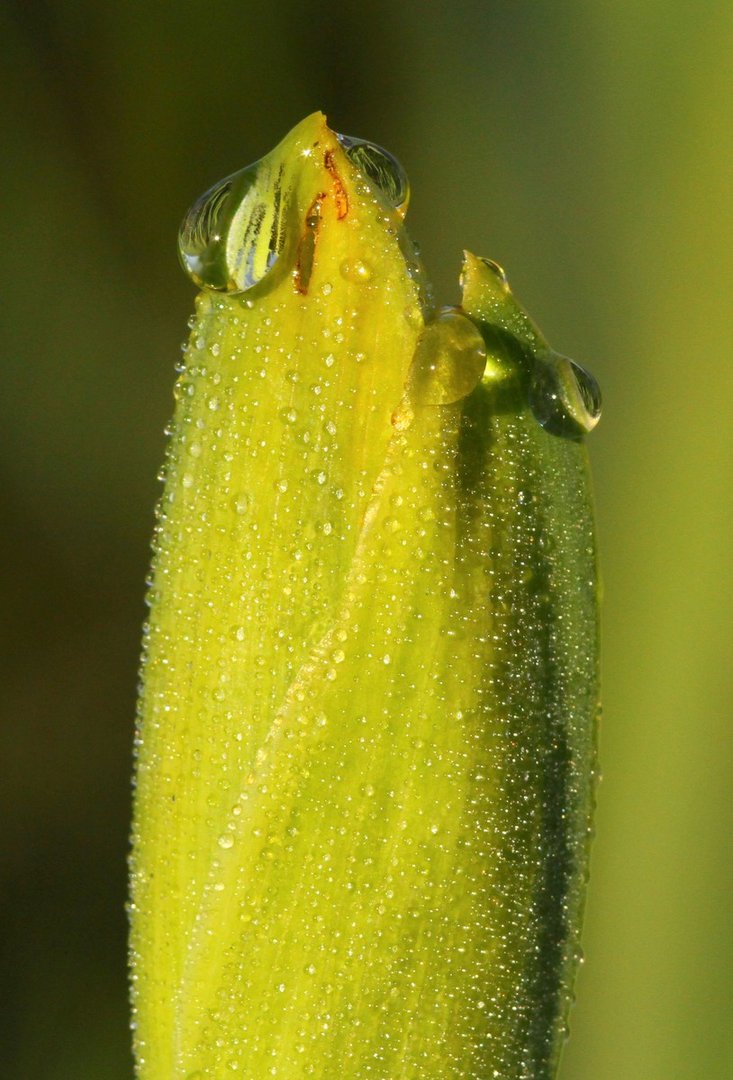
{"x":564,"y":397}
{"x":449,"y":360}
{"x":233,"y":234}
{"x":382,"y":168}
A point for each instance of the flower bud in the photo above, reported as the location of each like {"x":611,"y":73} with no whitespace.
{"x":366,"y":740}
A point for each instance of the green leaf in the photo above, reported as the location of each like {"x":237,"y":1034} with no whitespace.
{"x":366,"y":740}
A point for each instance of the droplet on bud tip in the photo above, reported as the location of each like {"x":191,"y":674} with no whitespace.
{"x":234,"y":233}
{"x":381,"y":168}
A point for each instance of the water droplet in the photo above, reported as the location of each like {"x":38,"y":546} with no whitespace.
{"x":498,"y":272}
{"x":226,"y":841}
{"x":234,"y":233}
{"x":381,"y":168}
{"x":449,"y":360}
{"x":564,"y":397}
{"x":356,"y":270}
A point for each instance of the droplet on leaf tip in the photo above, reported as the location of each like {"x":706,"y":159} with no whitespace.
{"x":498,"y":271}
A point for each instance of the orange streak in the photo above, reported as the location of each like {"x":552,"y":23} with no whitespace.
{"x":339,"y":191}
{"x":306,"y":254}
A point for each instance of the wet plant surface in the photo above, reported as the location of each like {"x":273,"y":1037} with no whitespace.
{"x":366,"y":747}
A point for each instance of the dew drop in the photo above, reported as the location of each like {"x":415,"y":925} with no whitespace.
{"x":226,"y":841}
{"x":498,"y":272}
{"x":564,"y":397}
{"x":449,"y":360}
{"x":356,"y":270}
{"x":381,"y":168}
{"x":234,"y":233}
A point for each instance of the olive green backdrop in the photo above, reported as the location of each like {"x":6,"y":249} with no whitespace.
{"x":589,"y":148}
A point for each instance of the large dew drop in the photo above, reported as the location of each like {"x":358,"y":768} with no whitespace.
{"x":381,"y":168}
{"x":449,"y":360}
{"x":564,"y":397}
{"x":234,"y":233}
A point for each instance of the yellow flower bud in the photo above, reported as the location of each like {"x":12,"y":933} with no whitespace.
{"x":366,"y":741}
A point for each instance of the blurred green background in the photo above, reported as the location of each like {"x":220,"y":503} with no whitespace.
{"x":586,"y":146}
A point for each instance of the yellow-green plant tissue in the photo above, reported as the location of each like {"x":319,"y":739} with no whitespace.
{"x":366,"y":742}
